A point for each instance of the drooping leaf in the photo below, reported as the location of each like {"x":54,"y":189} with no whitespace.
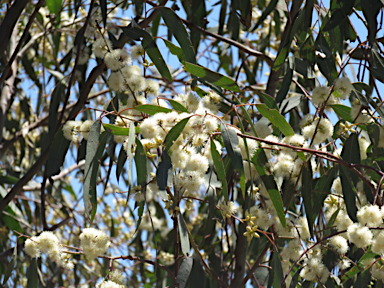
{"x":289,"y":103}
{"x":95,"y":148}
{"x":212,"y":77}
{"x":267,"y":99}
{"x":343,"y":112}
{"x":306,"y":192}
{"x":175,"y":50}
{"x":175,"y":132}
{"x":220,"y":170}
{"x":176,"y":26}
{"x":283,"y":92}
{"x":118,"y":130}
{"x":231,"y":143}
{"x":183,"y":233}
{"x":271,"y":7}
{"x":57,"y":154}
{"x":151,"y":109}
{"x":357,"y":268}
{"x":56,"y":97}
{"x":162,"y":170}
{"x":120,"y":162}
{"x":129,"y":150}
{"x":276,"y":119}
{"x":260,"y":161}
{"x":141,"y":164}
{"x":103,"y":8}
{"x":32,"y":274}
{"x":184,"y":271}
{"x":10,"y":267}
{"x":177,"y":106}
{"x":151,"y":48}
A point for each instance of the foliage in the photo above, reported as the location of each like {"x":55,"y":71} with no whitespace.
{"x":191,"y":143}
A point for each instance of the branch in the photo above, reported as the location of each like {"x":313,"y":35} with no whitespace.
{"x":9,"y":23}
{"x":40,"y":122}
{"x":242,"y":47}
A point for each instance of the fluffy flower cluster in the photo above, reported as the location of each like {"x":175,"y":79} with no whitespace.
{"x":116,"y":280}
{"x":94,"y":242}
{"x":47,"y":243}
{"x":73,"y":130}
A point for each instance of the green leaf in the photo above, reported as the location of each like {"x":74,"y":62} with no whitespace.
{"x":141,"y":164}
{"x":276,"y":119}
{"x":11,"y":266}
{"x":175,"y":132}
{"x":322,"y":188}
{"x":306,"y":192}
{"x":283,"y":92}
{"x":120,"y":162}
{"x":343,"y":112}
{"x":8,"y":179}
{"x":118,"y":130}
{"x":177,"y":106}
{"x":56,"y":97}
{"x":212,"y":77}
{"x":151,"y":109}
{"x":151,"y":48}
{"x":176,"y":26}
{"x":220,"y":170}
{"x":289,"y":103}
{"x":357,"y":268}
{"x":95,"y":148}
{"x":184,"y":271}
{"x":339,"y":15}
{"x":33,"y":274}
{"x":57,"y":154}
{"x":184,"y":239}
{"x":271,"y":7}
{"x":103,"y":8}
{"x":54,"y":6}
{"x":130,"y":147}
{"x":267,"y":99}
{"x":231,"y":142}
{"x":162,"y":170}
{"x":277,"y":270}
{"x":260,"y":161}
{"x":175,"y":50}
{"x":140,"y":213}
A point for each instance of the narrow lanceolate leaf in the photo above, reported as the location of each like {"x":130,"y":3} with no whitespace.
{"x":177,"y":106}
{"x":349,"y":192}
{"x":276,"y":119}
{"x":32,"y":274}
{"x":54,"y":6}
{"x":184,"y":239}
{"x":343,"y":112}
{"x":95,"y":147}
{"x":359,"y":267}
{"x":175,"y":50}
{"x":140,"y":213}
{"x":120,"y":162}
{"x":212,"y":77}
{"x":220,"y":170}
{"x":10,"y":267}
{"x":176,"y":26}
{"x":175,"y":132}
{"x":184,"y":271}
{"x":260,"y":161}
{"x":231,"y":142}
{"x":141,"y":164}
{"x":118,"y":130}
{"x":130,"y":145}
{"x":162,"y":170}
{"x":306,"y":192}
{"x":151,"y":48}
{"x":57,"y":154}
{"x":152,"y":109}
